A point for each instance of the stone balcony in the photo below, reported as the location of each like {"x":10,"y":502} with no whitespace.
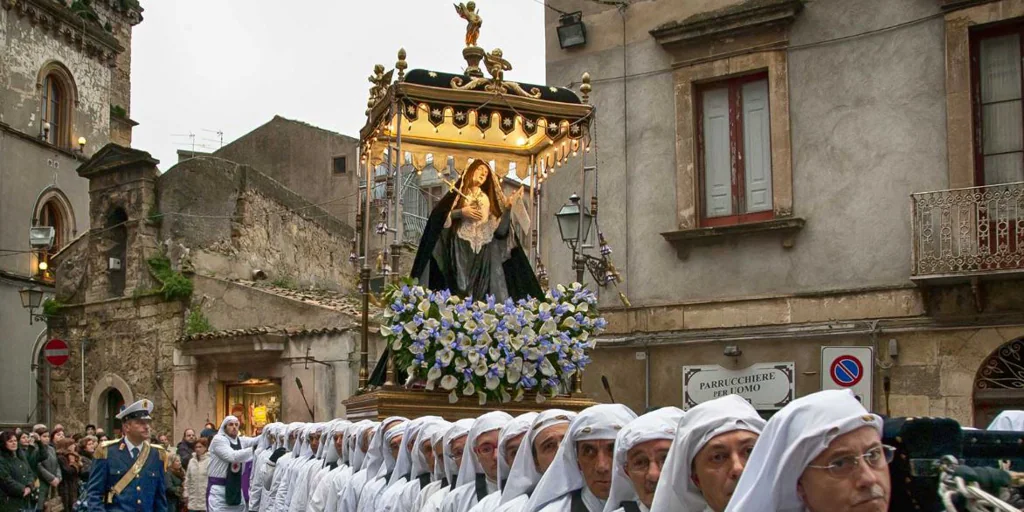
{"x":968,"y":234}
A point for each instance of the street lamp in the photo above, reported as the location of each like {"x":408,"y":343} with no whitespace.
{"x":32,"y":298}
{"x":574,"y":225}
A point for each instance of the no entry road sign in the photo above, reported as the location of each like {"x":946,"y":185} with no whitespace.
{"x":56,"y":352}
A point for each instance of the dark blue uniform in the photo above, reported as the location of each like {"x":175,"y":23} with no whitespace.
{"x":146,"y":492}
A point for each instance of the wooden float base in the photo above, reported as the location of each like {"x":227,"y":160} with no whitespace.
{"x":382,"y":403}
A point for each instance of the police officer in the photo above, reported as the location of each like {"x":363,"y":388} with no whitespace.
{"x":128,"y":473}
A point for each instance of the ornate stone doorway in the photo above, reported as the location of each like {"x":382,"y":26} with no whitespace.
{"x":109,"y":395}
{"x":999,"y":383}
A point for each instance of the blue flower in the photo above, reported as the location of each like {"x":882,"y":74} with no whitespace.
{"x":600,"y":323}
{"x":405,"y":290}
{"x":396,"y":329}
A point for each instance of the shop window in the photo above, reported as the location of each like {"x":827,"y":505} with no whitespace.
{"x":255,"y":402}
{"x":734,"y":151}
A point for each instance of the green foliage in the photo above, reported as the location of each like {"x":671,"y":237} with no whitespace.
{"x":154,"y":217}
{"x":197,"y":323}
{"x":118,"y":110}
{"x":174,"y":285}
{"x":51,"y":307}
{"x":284,"y":282}
{"x":83,"y":9}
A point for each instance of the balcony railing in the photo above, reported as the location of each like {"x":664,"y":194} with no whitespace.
{"x":969,"y":232}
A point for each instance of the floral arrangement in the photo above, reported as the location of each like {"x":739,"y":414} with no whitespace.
{"x":493,"y":350}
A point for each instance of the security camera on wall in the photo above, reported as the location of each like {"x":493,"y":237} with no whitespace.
{"x":41,"y":237}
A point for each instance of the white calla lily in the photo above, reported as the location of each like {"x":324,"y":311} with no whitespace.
{"x":449,"y":382}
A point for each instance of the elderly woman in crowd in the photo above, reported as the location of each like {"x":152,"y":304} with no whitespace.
{"x":86,"y":449}
{"x":174,"y":481}
{"x":45,"y":464}
{"x":16,"y":476}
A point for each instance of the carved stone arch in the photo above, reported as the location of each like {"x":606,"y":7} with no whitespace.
{"x":105,"y":383}
{"x":54,"y":195}
{"x":999,"y":383}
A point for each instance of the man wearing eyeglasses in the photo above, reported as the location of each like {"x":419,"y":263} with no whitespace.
{"x":640,"y":452}
{"x":713,"y":441}
{"x":820,"y":453}
{"x":580,"y":477}
{"x":478,"y":472}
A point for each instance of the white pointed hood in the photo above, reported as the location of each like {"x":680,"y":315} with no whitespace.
{"x":486,"y":423}
{"x":357,"y":456}
{"x":1008,"y":420}
{"x":375,"y":456}
{"x":520,"y":425}
{"x":459,"y":428}
{"x":403,"y":466}
{"x":789,"y":442}
{"x":434,"y":432}
{"x":653,"y":426}
{"x":523,"y":476}
{"x":599,"y":422}
{"x":699,"y":425}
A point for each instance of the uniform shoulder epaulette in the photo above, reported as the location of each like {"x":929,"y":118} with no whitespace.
{"x":160,"y":451}
{"x":158,"y":447}
{"x":101,"y":450}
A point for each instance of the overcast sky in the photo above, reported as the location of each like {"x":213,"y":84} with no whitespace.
{"x":203,"y":66}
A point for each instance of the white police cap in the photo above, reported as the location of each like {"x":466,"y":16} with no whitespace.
{"x":137,"y":411}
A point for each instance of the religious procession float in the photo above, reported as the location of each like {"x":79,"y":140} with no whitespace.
{"x":474,"y":325}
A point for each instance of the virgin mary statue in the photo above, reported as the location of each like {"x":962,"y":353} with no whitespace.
{"x":471,"y":244}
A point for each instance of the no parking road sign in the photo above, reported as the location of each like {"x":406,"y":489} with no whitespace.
{"x":849,"y":368}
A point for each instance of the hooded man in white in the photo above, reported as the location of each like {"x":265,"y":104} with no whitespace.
{"x":775,"y":477}
{"x":659,"y":425}
{"x":524,"y":473}
{"x":297,"y":465}
{"x":433,"y":502}
{"x":278,"y":472}
{"x":516,"y":428}
{"x":564,"y":481}
{"x":402,"y":473}
{"x":228,"y":454}
{"x":361,"y":490}
{"x":306,"y":473}
{"x":370,"y":499}
{"x":413,"y":472}
{"x":700,"y":426}
{"x":335,"y":464}
{"x":264,"y":449}
{"x":1008,"y":420}
{"x":423,"y":477}
{"x":338,"y":480}
{"x":473,"y":481}
{"x":369,"y":462}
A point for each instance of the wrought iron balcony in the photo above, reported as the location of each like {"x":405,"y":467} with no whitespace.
{"x":972,"y":232}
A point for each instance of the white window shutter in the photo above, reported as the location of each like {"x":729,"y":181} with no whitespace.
{"x":717,"y":161}
{"x":757,"y":147}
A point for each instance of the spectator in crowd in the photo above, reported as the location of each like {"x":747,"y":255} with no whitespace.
{"x":16,"y":476}
{"x":25,"y":446}
{"x":77,"y":437}
{"x":86,"y":449}
{"x":70,"y":468}
{"x":162,"y":440}
{"x":102,"y":438}
{"x":57,"y":434}
{"x":46,"y":465}
{"x":209,"y":430}
{"x":90,"y":430}
{"x":186,"y":447}
{"x":174,"y":481}
{"x":117,"y":433}
{"x":99,"y":432}
{"x":197,"y":476}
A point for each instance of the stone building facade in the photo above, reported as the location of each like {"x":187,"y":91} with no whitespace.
{"x":64,"y":76}
{"x":208,"y":288}
{"x":786,"y":176}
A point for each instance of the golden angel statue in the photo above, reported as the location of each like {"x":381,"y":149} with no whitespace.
{"x":497,"y":65}
{"x":469,"y":13}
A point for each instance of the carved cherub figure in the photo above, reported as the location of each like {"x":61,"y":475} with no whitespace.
{"x":497,"y":65}
{"x":380,"y":81}
{"x":469,"y":13}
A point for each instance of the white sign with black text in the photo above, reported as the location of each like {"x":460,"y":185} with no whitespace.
{"x":767,"y":386}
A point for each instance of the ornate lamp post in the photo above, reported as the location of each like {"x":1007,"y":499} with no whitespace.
{"x":32,"y":298}
{"x":574,"y":225}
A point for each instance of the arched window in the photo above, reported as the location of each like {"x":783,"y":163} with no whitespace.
{"x":53,"y":209}
{"x":58,"y":96}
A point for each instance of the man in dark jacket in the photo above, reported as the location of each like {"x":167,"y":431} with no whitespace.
{"x":187,"y":447}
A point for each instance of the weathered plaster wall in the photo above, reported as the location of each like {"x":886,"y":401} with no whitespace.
{"x":26,"y":49}
{"x":130,"y":338}
{"x":233,"y":220}
{"x":300,"y":157}
{"x":866,"y":132}
{"x":234,"y":306}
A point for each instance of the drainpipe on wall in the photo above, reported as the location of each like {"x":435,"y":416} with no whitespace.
{"x":647,"y":378}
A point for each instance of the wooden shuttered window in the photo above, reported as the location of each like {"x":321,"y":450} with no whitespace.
{"x":734,"y":150}
{"x":996,"y":89}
